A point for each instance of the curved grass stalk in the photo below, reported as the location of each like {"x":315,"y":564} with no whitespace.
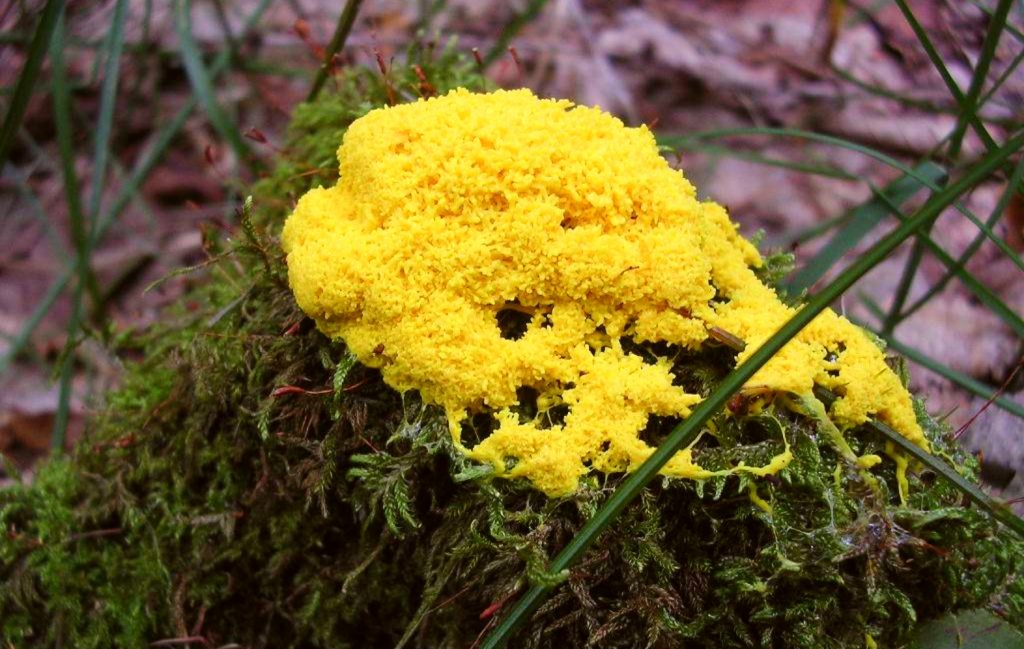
{"x":79,"y":231}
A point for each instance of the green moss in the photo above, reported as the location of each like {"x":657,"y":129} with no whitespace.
{"x":251,"y":484}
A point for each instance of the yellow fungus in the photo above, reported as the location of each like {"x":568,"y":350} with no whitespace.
{"x":868,"y":461}
{"x":902,"y":464}
{"x":756,"y":498}
{"x":456,"y":214}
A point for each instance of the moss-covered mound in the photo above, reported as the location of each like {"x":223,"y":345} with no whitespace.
{"x":252,"y":485}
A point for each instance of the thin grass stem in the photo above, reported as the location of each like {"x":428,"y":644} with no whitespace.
{"x":852,"y":146}
{"x":999,"y":511}
{"x":947,"y":78}
{"x":341,"y":32}
{"x":79,"y":234}
{"x":202,"y":87}
{"x":27,"y":79}
{"x":970,"y":105}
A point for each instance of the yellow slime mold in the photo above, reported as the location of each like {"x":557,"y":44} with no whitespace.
{"x":456,"y":212}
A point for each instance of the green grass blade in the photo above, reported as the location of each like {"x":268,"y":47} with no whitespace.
{"x":947,"y":78}
{"x":1016,"y":33}
{"x":1001,"y":80}
{"x":27,"y":79}
{"x":966,"y":382}
{"x":688,"y":430}
{"x":19,"y":341}
{"x":809,"y":233}
{"x":970,"y":105}
{"x":202,"y":87}
{"x":62,"y":119}
{"x":906,"y":282}
{"x":865,"y":218}
{"x":38,"y":212}
{"x":341,"y":32}
{"x":101,"y":148}
{"x":108,"y":100}
{"x":147,"y":161}
{"x":511,"y":29}
{"x":881,"y":91}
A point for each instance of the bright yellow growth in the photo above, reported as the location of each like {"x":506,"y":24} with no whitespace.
{"x":457,"y":212}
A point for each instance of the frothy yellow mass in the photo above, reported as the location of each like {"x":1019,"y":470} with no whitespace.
{"x":456,"y":215}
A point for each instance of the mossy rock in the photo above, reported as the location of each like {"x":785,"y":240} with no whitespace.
{"x":252,"y":485}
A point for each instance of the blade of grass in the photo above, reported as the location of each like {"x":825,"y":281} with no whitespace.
{"x":1014,"y":184}
{"x":21,"y":339}
{"x":881,"y":91}
{"x":145,"y":164}
{"x":688,"y":430}
{"x":906,"y":281}
{"x":1016,"y":33}
{"x":40,"y":161}
{"x":27,"y":79}
{"x":108,"y":100}
{"x":62,"y":119}
{"x":101,"y":149}
{"x":1001,"y":79}
{"x":1007,"y":314}
{"x":225,"y":28}
{"x":969,"y":106}
{"x":143,"y":167}
{"x":202,"y":87}
{"x":511,"y":29}
{"x":865,"y":218}
{"x":959,"y":378}
{"x":341,"y":32}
